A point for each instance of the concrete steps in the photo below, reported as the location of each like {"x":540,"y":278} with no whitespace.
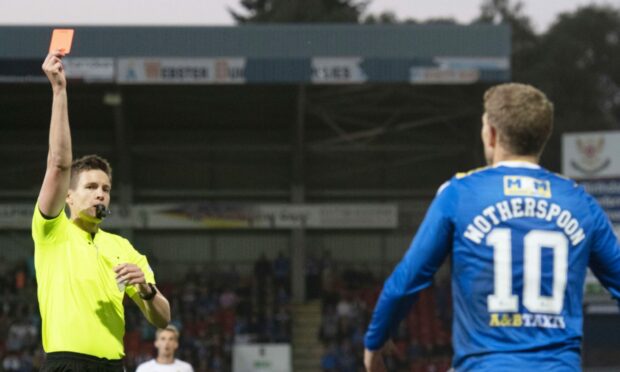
{"x":307,"y":349}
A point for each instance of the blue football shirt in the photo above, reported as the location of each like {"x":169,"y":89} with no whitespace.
{"x":521,"y":240}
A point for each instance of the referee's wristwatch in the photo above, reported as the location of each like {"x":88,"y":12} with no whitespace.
{"x":149,"y":296}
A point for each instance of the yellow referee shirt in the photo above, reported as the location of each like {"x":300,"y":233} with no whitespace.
{"x":81,"y":305}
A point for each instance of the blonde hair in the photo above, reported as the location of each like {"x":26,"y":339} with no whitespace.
{"x":522,"y":115}
{"x":169,"y":328}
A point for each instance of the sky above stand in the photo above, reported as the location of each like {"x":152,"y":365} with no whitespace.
{"x":214,"y":12}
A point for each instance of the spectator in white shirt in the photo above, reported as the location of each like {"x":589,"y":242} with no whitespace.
{"x":166,"y":343}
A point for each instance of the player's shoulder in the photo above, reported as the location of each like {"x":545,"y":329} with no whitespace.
{"x":463,"y":177}
{"x":568,"y":186}
{"x":143,"y":367}
{"x":475,"y":171}
{"x":558,"y":177}
{"x":454,"y":180}
{"x":185,"y":367}
{"x":181,"y":362}
{"x":577,"y":192}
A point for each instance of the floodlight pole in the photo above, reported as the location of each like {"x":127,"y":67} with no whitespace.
{"x":123,"y":168}
{"x":298,"y":234}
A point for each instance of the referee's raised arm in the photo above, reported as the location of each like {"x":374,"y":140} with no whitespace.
{"x":58,"y":173}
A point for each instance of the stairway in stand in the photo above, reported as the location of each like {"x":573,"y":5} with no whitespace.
{"x":307,"y":349}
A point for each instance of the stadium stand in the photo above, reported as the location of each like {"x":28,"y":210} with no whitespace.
{"x":212,"y":310}
{"x":422,"y":342}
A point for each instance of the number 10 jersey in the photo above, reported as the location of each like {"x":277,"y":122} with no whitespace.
{"x":521,"y":240}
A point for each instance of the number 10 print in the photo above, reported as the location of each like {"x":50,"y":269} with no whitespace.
{"x":502,"y":300}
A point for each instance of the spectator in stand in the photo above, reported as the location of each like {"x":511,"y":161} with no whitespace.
{"x":262,"y":272}
{"x":345,"y":307}
{"x":329,"y":360}
{"x":328,"y":273}
{"x":347,"y":362}
{"x":281,"y":271}
{"x":228,"y":299}
{"x":232,"y":278}
{"x":329,"y":326}
{"x":11,"y":363}
{"x":282,"y":325}
{"x":4,"y":271}
{"x":262,"y":268}
{"x":313,"y":277}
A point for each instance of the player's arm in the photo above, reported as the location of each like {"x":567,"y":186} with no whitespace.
{"x":59,"y":157}
{"x":605,"y":253}
{"x":429,"y":248}
{"x":373,"y":359}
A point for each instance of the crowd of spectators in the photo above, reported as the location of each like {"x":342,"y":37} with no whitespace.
{"x":213,"y":309}
{"x":421,"y":343}
{"x":20,"y":323}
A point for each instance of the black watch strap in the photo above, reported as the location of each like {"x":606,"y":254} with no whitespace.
{"x":150,"y":295}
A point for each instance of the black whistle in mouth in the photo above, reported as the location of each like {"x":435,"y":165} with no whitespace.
{"x":101,"y":211}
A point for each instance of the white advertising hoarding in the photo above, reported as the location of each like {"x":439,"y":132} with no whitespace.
{"x":591,"y":155}
{"x":90,"y":69}
{"x":337,"y":70}
{"x":456,"y":70}
{"x":593,"y":158}
{"x":221,"y":215}
{"x":222,"y":70}
{"x":262,"y":358}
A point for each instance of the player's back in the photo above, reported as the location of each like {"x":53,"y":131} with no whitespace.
{"x":520,"y":253}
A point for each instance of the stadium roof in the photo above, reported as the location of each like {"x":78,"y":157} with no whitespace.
{"x":268,"y":41}
{"x":346,"y":136}
{"x":351,"y":54}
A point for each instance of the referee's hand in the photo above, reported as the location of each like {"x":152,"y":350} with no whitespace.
{"x":129,"y":274}
{"x":53,"y":68}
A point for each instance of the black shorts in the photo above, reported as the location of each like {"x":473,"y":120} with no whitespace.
{"x":75,"y":362}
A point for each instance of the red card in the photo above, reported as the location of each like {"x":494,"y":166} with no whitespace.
{"x":61,"y":39}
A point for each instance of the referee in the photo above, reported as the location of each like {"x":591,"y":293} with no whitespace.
{"x":83,"y":272}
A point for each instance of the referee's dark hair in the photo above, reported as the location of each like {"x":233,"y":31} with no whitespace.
{"x":86,"y":163}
